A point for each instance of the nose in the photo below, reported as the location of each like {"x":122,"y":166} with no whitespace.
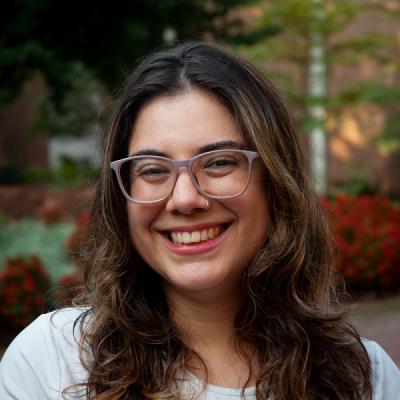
{"x":185,"y":198}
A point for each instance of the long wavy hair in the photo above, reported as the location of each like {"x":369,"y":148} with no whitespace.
{"x":292,"y":321}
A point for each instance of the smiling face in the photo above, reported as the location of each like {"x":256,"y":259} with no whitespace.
{"x":191,"y":248}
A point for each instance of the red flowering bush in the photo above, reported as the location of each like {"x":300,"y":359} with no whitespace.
{"x":23,"y":287}
{"x":78,"y":237}
{"x":367,"y":234}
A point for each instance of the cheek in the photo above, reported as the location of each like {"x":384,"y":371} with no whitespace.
{"x":257,"y":214}
{"x":252,"y":210}
{"x":139,"y":224}
{"x":139,"y":232}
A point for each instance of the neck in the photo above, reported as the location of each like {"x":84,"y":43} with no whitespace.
{"x":207,"y":317}
{"x":207,"y":320}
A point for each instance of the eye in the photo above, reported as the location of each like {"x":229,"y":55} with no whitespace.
{"x":153,"y":174}
{"x":220,"y":162}
{"x":152,"y":171}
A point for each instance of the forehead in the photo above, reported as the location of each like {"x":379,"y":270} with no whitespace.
{"x":182,"y":124}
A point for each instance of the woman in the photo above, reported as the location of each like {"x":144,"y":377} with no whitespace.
{"x":209,"y":273}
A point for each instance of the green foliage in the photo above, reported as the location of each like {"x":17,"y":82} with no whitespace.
{"x":374,"y":45}
{"x":291,"y":44}
{"x":302,"y":16}
{"x":254,"y":35}
{"x":105,"y":37}
{"x":3,"y":219}
{"x":374,"y":93}
{"x":70,"y":173}
{"x":358,"y":186}
{"x":389,"y":139}
{"x":357,"y":183}
{"x":308,"y":123}
{"x":28,"y":236}
{"x":74,"y":173}
{"x":79,"y":111}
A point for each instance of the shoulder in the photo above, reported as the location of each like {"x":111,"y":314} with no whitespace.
{"x":44,"y":358}
{"x":386,"y":375}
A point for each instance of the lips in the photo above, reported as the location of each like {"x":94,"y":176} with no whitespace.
{"x":181,"y":237}
{"x":195,"y":247}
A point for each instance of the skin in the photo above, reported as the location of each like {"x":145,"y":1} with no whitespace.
{"x":205,"y":289}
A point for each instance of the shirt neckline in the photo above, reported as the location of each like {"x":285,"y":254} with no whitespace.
{"x":250,"y":391}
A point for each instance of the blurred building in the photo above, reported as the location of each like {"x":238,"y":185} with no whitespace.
{"x":20,"y":149}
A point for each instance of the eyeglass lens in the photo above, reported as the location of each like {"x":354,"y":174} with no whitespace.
{"x":221,"y":174}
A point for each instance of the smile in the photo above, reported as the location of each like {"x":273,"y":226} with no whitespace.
{"x":203,"y":235}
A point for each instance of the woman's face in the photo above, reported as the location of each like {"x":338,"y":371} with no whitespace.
{"x":180,"y":127}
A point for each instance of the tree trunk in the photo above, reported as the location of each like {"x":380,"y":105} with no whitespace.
{"x":317,"y":90}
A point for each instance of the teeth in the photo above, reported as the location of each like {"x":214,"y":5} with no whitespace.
{"x":179,"y":238}
{"x":196,"y":236}
{"x":186,"y":237}
{"x":173,"y":235}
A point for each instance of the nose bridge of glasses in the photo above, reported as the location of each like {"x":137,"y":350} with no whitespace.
{"x":185,"y":164}
{"x":181,"y":163}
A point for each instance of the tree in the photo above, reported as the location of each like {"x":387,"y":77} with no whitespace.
{"x":302,"y":43}
{"x":105,"y":37}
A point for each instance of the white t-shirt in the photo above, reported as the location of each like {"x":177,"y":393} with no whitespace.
{"x":43,"y":360}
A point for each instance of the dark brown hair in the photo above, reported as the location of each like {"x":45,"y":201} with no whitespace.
{"x":293,"y":322}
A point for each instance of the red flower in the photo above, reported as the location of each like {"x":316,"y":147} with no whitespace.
{"x":29,"y":283}
{"x":23,"y":286}
{"x":367,"y":233}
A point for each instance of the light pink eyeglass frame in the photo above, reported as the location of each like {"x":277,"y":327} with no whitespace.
{"x":116,"y":166}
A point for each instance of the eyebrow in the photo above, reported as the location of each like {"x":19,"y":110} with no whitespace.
{"x":226,"y":144}
{"x":150,"y":152}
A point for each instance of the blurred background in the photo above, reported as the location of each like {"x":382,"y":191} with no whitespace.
{"x":335,"y":62}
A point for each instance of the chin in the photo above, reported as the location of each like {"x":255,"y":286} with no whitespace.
{"x":195,"y":281}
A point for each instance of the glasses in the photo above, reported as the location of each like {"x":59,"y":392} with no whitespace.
{"x":219,"y":174}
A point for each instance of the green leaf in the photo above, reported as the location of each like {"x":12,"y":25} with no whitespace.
{"x":389,"y":139}
{"x":256,"y":35}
